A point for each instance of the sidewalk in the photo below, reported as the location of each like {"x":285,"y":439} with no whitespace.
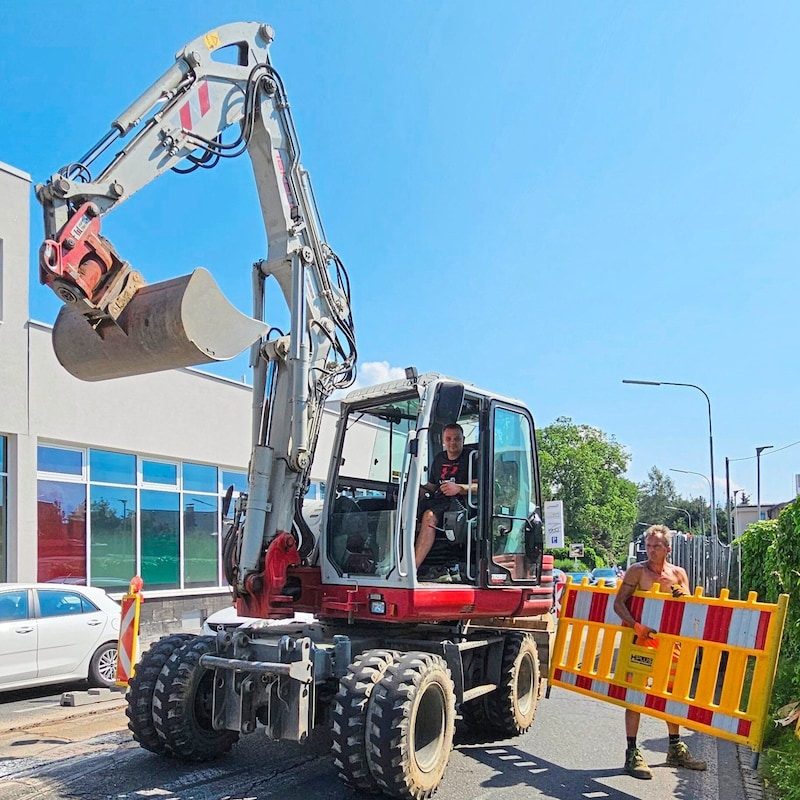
{"x":74,"y":705}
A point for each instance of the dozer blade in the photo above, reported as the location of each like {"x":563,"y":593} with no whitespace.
{"x":176,"y":323}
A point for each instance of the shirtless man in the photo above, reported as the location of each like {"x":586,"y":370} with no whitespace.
{"x":672,"y":579}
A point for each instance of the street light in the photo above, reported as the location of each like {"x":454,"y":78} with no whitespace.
{"x":759,"y":450}
{"x":710,"y":439}
{"x":710,"y":486}
{"x":675,"y":508}
{"x":733,"y":512}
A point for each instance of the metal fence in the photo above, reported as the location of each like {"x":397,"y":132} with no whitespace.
{"x":708,"y":563}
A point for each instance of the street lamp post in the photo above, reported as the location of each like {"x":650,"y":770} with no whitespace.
{"x":759,"y":450}
{"x":710,"y":439}
{"x":675,"y":508}
{"x":710,"y":486}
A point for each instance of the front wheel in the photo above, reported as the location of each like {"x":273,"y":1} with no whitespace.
{"x":183,"y":706}
{"x":348,"y":718}
{"x":410,"y":724}
{"x":103,"y":666}
{"x":511,"y":707}
{"x":141,"y":687}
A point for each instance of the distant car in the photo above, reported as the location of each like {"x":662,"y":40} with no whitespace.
{"x":607,"y":574}
{"x":577,"y":577}
{"x":56,"y":633}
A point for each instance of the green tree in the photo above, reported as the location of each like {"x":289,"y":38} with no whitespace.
{"x":654,"y":495}
{"x":584,"y":467}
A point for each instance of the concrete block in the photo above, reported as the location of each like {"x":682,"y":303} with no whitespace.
{"x":92,"y":696}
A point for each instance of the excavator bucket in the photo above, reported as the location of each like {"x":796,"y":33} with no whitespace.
{"x":176,"y":323}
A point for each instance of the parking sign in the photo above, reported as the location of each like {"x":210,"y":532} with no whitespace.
{"x":554,"y":523}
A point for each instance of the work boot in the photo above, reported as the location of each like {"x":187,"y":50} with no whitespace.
{"x":678,"y":755}
{"x":636,"y":766}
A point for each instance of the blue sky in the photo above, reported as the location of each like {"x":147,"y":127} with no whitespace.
{"x":540,"y":198}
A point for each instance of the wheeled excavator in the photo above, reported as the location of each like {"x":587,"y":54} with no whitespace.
{"x":347,"y":632}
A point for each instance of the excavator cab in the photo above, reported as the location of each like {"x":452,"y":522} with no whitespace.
{"x":387,"y":438}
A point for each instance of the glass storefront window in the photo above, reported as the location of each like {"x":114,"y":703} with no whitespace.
{"x":169,"y":532}
{"x":160,"y":532}
{"x":200,"y":540}
{"x":108,"y":467}
{"x":61,"y":531}
{"x":113,"y":536}
{"x":237,"y":479}
{"x":199,"y":478}
{"x":160,"y":472}
{"x":60,"y":460}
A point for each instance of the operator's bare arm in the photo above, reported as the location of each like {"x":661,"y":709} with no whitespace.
{"x":454,"y":489}
{"x":630,"y":583}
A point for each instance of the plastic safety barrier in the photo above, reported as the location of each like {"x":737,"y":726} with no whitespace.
{"x":710,"y":668}
{"x":129,"y":632}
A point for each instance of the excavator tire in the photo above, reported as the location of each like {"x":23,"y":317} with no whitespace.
{"x":140,"y":691}
{"x":511,"y":707}
{"x":182,"y":705}
{"x":348,"y":718}
{"x":410,"y":724}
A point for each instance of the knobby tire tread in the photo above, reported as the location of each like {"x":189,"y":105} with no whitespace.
{"x":182,"y":706}
{"x":141,"y":686}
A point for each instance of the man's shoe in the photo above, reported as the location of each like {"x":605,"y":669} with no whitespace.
{"x":678,"y":755}
{"x":446,"y":578}
{"x":636,"y":766}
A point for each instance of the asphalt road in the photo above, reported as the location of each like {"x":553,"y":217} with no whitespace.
{"x":574,"y":750}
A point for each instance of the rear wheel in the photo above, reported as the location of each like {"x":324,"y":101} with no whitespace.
{"x":410,"y":724}
{"x":348,"y":718}
{"x":103,"y":666}
{"x":141,"y":687}
{"x":183,"y":705}
{"x":512,"y":706}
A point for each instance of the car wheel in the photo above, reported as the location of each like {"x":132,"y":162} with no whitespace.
{"x":103,"y":666}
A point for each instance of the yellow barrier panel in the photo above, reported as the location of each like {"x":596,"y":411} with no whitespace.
{"x":129,"y":632}
{"x":710,"y":668}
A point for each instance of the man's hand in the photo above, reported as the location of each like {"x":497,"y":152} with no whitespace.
{"x":643,"y":633}
{"x":450,"y":488}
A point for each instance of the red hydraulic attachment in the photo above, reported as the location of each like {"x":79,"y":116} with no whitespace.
{"x":269,"y":601}
{"x":83,"y":268}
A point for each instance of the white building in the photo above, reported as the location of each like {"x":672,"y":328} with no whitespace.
{"x":103,"y":481}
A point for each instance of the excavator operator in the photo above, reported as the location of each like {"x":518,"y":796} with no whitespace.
{"x":447,"y":488}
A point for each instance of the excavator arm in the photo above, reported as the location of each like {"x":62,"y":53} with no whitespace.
{"x":114,"y":325}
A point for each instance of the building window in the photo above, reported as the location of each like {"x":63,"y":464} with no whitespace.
{"x":3,"y":510}
{"x":160,"y":539}
{"x":60,"y":460}
{"x":62,"y":531}
{"x":157,"y":519}
{"x":201,"y":522}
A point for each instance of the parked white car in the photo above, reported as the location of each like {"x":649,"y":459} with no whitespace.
{"x":55,"y":633}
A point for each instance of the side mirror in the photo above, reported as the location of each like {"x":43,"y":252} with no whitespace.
{"x":534,"y":541}
{"x":226,"y":501}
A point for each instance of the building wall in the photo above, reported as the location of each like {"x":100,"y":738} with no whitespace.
{"x":14,"y":260}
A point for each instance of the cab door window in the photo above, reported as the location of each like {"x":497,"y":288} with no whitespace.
{"x":514,"y":496}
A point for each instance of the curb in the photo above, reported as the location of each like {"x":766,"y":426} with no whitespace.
{"x":752,"y":781}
